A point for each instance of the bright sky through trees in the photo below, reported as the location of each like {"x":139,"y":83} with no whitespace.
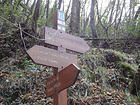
{"x":101,"y":3}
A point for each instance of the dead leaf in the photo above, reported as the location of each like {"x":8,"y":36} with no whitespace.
{"x":27,"y":95}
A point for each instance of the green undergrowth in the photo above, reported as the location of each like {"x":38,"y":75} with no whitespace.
{"x":128,"y":70}
{"x":110,"y":69}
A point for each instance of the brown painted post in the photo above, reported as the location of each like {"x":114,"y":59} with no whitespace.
{"x":55,"y":101}
{"x":62,"y":80}
{"x":63,"y":94}
{"x":60,"y":98}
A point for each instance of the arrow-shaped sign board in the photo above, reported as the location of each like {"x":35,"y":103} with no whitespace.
{"x":60,"y":38}
{"x":64,"y":79}
{"x":50,"y":57}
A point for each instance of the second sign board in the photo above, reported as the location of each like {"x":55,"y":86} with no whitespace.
{"x":60,"y":38}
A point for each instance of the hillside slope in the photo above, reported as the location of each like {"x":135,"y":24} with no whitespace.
{"x":106,"y":78}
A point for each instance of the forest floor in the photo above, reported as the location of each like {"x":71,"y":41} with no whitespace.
{"x":106,"y":77}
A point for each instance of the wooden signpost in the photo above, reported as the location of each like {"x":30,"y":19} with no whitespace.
{"x":49,"y":57}
{"x":64,"y":79}
{"x":65,"y":69}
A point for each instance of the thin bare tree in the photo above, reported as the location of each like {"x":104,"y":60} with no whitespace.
{"x":31,"y":12}
{"x":92,"y":19}
{"x":112,"y":9}
{"x":68,"y":10}
{"x":47,"y":11}
{"x":86,"y":21}
{"x":75,"y":17}
{"x":119,"y":19}
{"x":59,"y":4}
{"x":137,"y":13}
{"x":36,"y":16}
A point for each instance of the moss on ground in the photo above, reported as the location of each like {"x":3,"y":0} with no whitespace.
{"x":127,"y":69}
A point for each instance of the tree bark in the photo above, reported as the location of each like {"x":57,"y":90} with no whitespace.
{"x":130,"y":10}
{"x":85,"y":25}
{"x":106,"y":28}
{"x":55,"y":6}
{"x":27,"y":2}
{"x":59,"y":4}
{"x":31,"y":11}
{"x":36,"y":15}
{"x":112,"y":9}
{"x":120,"y":15}
{"x":137,"y":13}
{"x":117,"y":9}
{"x":68,"y":10}
{"x":75,"y":17}
{"x":47,"y":11}
{"x":115,"y":20}
{"x":92,"y":19}
{"x":18,"y":4}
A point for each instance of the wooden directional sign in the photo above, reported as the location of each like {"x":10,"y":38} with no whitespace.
{"x":60,"y":38}
{"x":62,"y":80}
{"x":50,"y":57}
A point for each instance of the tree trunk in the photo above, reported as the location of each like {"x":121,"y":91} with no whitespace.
{"x":130,"y":10}
{"x":31,"y":11}
{"x":117,"y":11}
{"x":36,"y":16}
{"x":99,"y":20}
{"x":47,"y":11}
{"x":68,"y":10}
{"x":137,"y":13}
{"x":59,"y":4}
{"x":85,"y":26}
{"x":55,"y":6}
{"x":27,"y":2}
{"x":112,"y":9}
{"x":75,"y":17}
{"x":92,"y":19}
{"x":18,"y":4}
{"x":120,"y":15}
{"x":115,"y":20}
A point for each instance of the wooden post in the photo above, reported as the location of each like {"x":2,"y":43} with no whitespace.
{"x":60,"y":98}
{"x":55,"y":101}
